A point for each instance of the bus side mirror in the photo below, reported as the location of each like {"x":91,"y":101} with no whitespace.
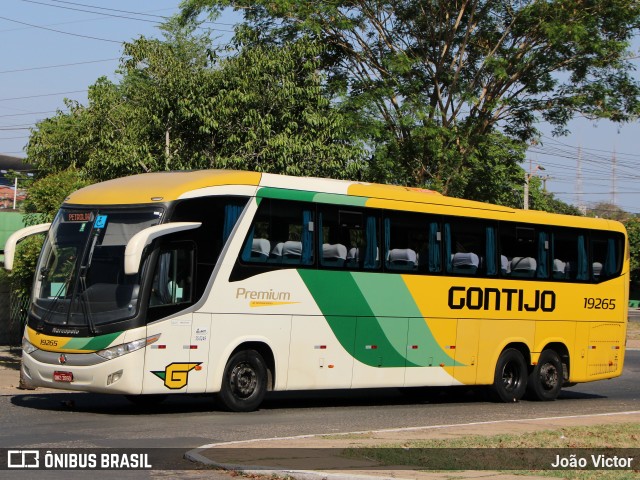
{"x":15,"y":237}
{"x":135,"y":246}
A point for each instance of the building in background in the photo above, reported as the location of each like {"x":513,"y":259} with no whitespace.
{"x":11,"y":195}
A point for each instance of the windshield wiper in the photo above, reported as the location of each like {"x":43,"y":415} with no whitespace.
{"x":82,"y":277}
{"x":58,"y":294}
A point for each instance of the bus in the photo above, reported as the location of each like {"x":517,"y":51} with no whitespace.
{"x":238,"y":283}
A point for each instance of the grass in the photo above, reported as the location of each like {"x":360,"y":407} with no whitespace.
{"x":348,"y":436}
{"x":624,"y":435}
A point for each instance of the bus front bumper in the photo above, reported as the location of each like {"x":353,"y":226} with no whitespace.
{"x":79,"y":372}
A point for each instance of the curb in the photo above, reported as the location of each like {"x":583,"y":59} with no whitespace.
{"x":204,"y":454}
{"x":195,"y":456}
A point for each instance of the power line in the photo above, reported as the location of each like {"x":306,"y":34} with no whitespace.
{"x":60,"y":31}
{"x":160,"y":18}
{"x":109,"y":9}
{"x":58,"y":66}
{"x":99,"y":13}
{"x":554,"y":140}
{"x":42,"y":95}
{"x":129,"y":12}
{"x":25,"y":114}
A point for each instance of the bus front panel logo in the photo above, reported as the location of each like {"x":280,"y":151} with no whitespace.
{"x":176,"y":375}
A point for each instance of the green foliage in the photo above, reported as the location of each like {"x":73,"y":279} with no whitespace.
{"x":608,"y":210}
{"x":544,"y":201}
{"x":181,"y":106}
{"x":47,"y":194}
{"x":268,"y":113}
{"x":632,"y":225}
{"x":427,"y":82}
{"x":26,"y":257}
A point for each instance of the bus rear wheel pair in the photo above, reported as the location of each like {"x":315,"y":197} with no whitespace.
{"x":513,"y":379}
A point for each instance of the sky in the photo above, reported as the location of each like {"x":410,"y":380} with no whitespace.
{"x":54,"y":49}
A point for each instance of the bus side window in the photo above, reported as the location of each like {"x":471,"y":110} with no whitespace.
{"x":523,"y":251}
{"x":333,"y":237}
{"x":349,"y":238}
{"x":282,"y":233}
{"x":570,"y":258}
{"x":173,"y":279}
{"x":465,"y":247}
{"x":406,"y":242}
{"x":605,"y":256}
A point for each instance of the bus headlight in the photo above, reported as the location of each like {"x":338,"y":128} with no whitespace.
{"x":119,"y":350}
{"x":27,"y":347}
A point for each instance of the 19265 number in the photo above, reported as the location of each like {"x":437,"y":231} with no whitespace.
{"x":600,"y":303}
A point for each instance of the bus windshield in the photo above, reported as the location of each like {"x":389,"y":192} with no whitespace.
{"x":80,"y":278}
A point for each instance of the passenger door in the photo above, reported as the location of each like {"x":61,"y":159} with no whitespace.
{"x":168,"y":362}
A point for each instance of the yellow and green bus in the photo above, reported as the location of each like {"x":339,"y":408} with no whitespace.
{"x":238,"y":283}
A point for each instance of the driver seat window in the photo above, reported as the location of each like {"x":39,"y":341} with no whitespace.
{"x":173,"y":279}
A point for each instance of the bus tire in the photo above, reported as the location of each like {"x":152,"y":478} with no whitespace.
{"x":546,"y":378}
{"x":511,"y":375}
{"x":244,"y":383}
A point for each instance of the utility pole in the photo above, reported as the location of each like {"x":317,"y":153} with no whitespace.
{"x":527,"y":179}
{"x":581,"y":206}
{"x":544,"y":182}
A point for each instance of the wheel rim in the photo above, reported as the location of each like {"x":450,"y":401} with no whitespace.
{"x":510,"y":376}
{"x":244,"y":380}
{"x":548,"y":376}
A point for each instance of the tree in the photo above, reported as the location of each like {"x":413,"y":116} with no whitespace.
{"x":47,"y":194}
{"x":268,"y":113}
{"x":540,"y":199}
{"x":632,"y":224}
{"x":181,"y":106}
{"x":608,"y":210}
{"x":429,"y":80}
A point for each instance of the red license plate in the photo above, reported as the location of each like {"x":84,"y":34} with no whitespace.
{"x":63,"y":376}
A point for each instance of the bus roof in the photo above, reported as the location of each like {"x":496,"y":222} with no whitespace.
{"x":149,"y":188}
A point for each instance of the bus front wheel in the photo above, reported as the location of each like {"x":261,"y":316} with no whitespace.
{"x":510,"y":380}
{"x":244,"y":384}
{"x":546,"y":377}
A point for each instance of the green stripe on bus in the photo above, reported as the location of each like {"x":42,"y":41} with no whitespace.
{"x":336,"y":199}
{"x":389,"y":296}
{"x":339,"y":289}
{"x":92,"y":343}
{"x":304,"y":196}
{"x":373,"y":327}
{"x":286,"y":194}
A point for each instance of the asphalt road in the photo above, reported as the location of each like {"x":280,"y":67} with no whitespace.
{"x":103,"y":421}
{"x":82,"y":420}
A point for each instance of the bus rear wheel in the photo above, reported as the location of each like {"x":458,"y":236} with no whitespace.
{"x":244,"y":383}
{"x":510,"y":380}
{"x":546,"y":378}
